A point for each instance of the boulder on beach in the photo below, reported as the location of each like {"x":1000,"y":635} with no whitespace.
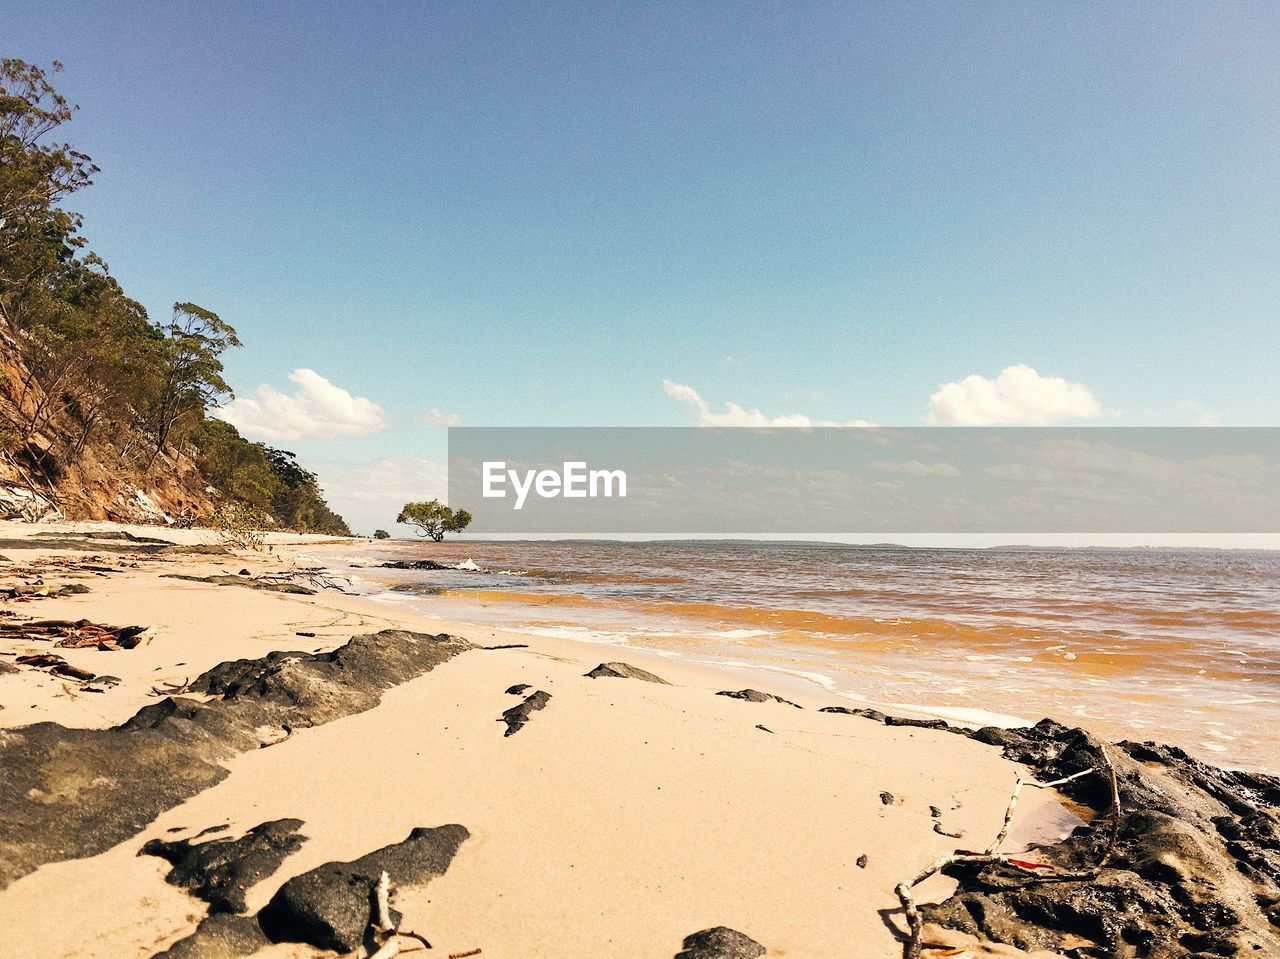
{"x":625,"y":671}
{"x":330,"y":906}
{"x":720,"y":942}
{"x":755,"y":696}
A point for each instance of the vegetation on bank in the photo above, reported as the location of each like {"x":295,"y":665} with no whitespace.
{"x":88,"y":376}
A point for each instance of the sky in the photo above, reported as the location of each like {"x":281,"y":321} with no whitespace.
{"x":428,"y":214}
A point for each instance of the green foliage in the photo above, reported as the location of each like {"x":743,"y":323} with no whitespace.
{"x":37,"y":237}
{"x":186,"y":357}
{"x":96,"y":367}
{"x":239,"y":526}
{"x":434,"y":519}
{"x":267,"y":479}
{"x":381,"y":534}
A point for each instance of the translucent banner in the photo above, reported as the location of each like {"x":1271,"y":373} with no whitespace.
{"x":865,"y":480}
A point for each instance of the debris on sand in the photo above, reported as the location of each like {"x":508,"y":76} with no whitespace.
{"x":75,"y":634}
{"x":26,"y":593}
{"x":56,"y":665}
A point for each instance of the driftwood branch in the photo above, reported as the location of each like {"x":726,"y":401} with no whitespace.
{"x":382,"y":930}
{"x":1035,"y":872}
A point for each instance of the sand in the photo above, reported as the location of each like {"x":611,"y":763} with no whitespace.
{"x":625,"y":816}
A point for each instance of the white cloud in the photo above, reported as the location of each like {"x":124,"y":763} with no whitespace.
{"x":1019,"y":396}
{"x":735,"y":415}
{"x":316,"y":410}
{"x":915,"y":468}
{"x":441,"y":417}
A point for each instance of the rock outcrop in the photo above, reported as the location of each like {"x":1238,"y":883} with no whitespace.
{"x":755,"y":696}
{"x":69,"y":793}
{"x":625,"y":671}
{"x":329,"y":907}
{"x":518,"y":715}
{"x":720,"y":942}
{"x":221,"y":870}
{"x":1195,"y":870}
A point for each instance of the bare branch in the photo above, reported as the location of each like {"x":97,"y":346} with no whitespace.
{"x":915,"y":922}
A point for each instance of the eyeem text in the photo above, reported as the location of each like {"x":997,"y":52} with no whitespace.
{"x":573,"y":481}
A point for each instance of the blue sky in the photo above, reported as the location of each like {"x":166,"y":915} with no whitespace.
{"x":535,"y":214}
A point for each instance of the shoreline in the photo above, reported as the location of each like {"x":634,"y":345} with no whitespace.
{"x":620,"y":818}
{"x":978,"y":654}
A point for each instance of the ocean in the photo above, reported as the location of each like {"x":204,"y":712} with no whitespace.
{"x":1176,"y":645}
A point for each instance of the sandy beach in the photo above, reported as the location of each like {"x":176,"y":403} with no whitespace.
{"x":620,"y":818}
{"x":624,"y":817}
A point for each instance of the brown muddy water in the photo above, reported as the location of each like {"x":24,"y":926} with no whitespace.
{"x":1177,"y":645}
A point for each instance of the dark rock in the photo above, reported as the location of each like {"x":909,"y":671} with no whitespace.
{"x":220,"y":871}
{"x":94,"y":541}
{"x":8,"y":667}
{"x":122,"y":534}
{"x":755,"y":696}
{"x":887,"y":799}
{"x":517,"y":716}
{"x":861,"y":862}
{"x":68,"y":793}
{"x":625,"y":671}
{"x":518,"y":689}
{"x":1194,"y":872}
{"x":919,"y":723}
{"x":229,"y":580}
{"x":220,"y":936}
{"x":720,"y":943}
{"x":329,"y":907}
{"x":855,"y":711}
{"x":72,"y":589}
{"x":106,"y":680}
{"x":428,"y":564}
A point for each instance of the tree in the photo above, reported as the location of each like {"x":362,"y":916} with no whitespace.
{"x":381,"y":534}
{"x":434,"y":519}
{"x":188,"y":357}
{"x":37,"y":237}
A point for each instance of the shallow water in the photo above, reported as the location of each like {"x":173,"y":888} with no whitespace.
{"x":1182,"y":646}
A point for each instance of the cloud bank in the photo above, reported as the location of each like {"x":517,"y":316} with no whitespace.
{"x":1018,"y":396}
{"x":317,"y":409}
